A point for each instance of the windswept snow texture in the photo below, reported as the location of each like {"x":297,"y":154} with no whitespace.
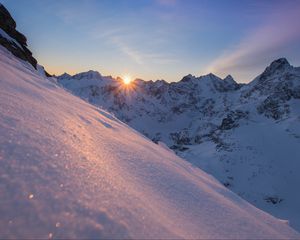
{"x":71,"y":170}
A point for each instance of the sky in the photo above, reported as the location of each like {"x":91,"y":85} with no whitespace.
{"x":160,"y":39}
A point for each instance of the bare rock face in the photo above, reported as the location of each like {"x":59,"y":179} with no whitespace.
{"x":20,"y":50}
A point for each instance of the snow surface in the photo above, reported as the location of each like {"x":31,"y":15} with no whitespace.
{"x":245,"y":135}
{"x":71,"y":170}
{"x":262,"y":165}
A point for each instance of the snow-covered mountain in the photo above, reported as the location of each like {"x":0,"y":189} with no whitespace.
{"x":246,"y":135}
{"x":69,"y":169}
{"x":72,"y":170}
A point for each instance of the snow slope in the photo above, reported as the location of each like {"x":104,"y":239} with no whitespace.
{"x":245,"y":135}
{"x":262,"y":166}
{"x":71,"y":170}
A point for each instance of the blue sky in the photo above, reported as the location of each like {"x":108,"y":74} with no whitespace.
{"x":160,"y":39}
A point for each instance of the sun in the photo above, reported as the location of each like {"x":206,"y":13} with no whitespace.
{"x":127,"y":80}
{"x":127,"y":84}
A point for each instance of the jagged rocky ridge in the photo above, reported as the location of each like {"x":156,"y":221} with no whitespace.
{"x":218,"y":125}
{"x":13,"y":40}
{"x":208,"y":101}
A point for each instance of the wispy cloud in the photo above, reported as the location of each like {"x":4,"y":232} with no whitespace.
{"x":134,"y":43}
{"x":280,"y":28}
{"x":141,"y":57}
{"x":124,"y":48}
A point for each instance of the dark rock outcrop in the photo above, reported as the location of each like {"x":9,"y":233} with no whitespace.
{"x":232,"y":119}
{"x":19,"y":46}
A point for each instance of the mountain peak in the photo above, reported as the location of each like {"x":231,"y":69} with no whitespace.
{"x":280,"y":63}
{"x":88,"y":75}
{"x":277,"y":66}
{"x":187,"y":78}
{"x":64,"y":75}
{"x":209,"y":76}
{"x":229,"y":78}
